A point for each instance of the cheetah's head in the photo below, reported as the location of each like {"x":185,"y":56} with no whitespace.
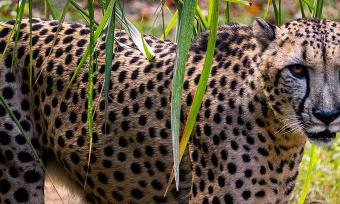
{"x":300,"y":65}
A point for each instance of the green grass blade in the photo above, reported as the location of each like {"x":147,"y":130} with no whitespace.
{"x":277,"y":12}
{"x":310,"y":5}
{"x":302,"y":9}
{"x":108,"y":56}
{"x":201,"y":16}
{"x":266,"y":11}
{"x":90,"y":85}
{"x":318,"y":9}
{"x":184,"y":41}
{"x":103,"y":5}
{"x":17,"y":29}
{"x":171,"y":24}
{"x":134,"y":34}
{"x":98,"y":32}
{"x":242,"y":2}
{"x":202,"y":84}
{"x":53,"y":9}
{"x":313,"y":159}
{"x":82,"y":12}
{"x":30,"y":45}
{"x":227,"y":13}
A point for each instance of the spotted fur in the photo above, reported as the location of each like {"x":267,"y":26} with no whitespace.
{"x":248,"y":140}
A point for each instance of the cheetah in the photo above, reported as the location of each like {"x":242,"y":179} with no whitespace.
{"x":270,"y":89}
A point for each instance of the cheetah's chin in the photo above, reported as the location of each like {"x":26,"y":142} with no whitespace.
{"x":320,"y":138}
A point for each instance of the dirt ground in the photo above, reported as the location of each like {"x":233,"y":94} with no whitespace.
{"x":51,"y":196}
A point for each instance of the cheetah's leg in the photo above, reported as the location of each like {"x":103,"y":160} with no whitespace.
{"x":21,"y":175}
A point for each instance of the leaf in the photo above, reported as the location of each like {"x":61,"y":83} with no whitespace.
{"x":265,"y":16}
{"x":184,"y":36}
{"x":317,"y":13}
{"x":202,"y":84}
{"x":242,"y":2}
{"x":312,"y":163}
{"x":30,"y":46}
{"x":135,"y":35}
{"x":53,"y":8}
{"x":201,"y":16}
{"x":302,"y":9}
{"x":90,"y":84}
{"x":171,"y":24}
{"x":81,"y":11}
{"x":310,"y":5}
{"x":277,"y":12}
{"x":17,"y":28}
{"x":227,"y":13}
{"x":109,"y":56}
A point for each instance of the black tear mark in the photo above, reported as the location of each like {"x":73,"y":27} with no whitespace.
{"x":302,"y":104}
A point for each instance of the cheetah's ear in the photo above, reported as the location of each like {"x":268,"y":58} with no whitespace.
{"x":264,"y":32}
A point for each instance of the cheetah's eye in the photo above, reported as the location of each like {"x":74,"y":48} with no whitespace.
{"x":298,"y":70}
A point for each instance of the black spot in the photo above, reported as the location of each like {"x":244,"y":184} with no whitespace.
{"x":4,"y":32}
{"x":231,"y":168}
{"x":8,"y":61}
{"x":81,"y":42}
{"x":260,"y":193}
{"x":117,"y":196}
{"x":102,"y":178}
{"x":108,"y":151}
{"x":136,"y":168}
{"x":157,"y":185}
{"x":119,"y":176}
{"x":228,"y":199}
{"x":4,"y":138}
{"x":25,"y":157}
{"x":142,"y":120}
{"x":9,"y":77}
{"x":160,"y":166}
{"x":75,"y":158}
{"x":137,"y":193}
{"x":263,"y":151}
{"x":57,"y":123}
{"x":245,"y":157}
{"x":4,"y":186}
{"x":248,"y":173}
{"x":21,"y":195}
{"x":246,"y":194}
{"x":73,"y":117}
{"x":32,"y":176}
{"x":238,"y":183}
{"x":260,"y":122}
{"x":221,"y":181}
{"x":61,"y":141}
{"x":7,"y":93}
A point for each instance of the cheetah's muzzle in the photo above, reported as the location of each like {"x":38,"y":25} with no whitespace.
{"x":322,"y":137}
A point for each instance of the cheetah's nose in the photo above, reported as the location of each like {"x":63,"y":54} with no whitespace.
{"x":326,"y":117}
